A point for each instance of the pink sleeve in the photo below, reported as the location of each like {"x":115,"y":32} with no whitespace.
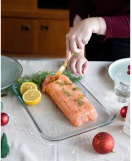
{"x":118,"y":26}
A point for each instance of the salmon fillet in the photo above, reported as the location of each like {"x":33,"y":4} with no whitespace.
{"x":70,"y":100}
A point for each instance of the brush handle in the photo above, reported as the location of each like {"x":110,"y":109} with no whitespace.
{"x":62,"y":68}
{"x":66,"y":62}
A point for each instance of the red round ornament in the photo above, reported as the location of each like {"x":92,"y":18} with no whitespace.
{"x":103,"y":143}
{"x":128,"y":72}
{"x":129,"y":67}
{"x":123,"y":111}
{"x":4,"y":119}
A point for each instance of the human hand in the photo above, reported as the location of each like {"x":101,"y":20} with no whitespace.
{"x":80,"y":34}
{"x":78,"y":64}
{"x":78,"y":37}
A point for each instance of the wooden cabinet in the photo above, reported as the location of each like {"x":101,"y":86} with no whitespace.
{"x":17,"y":35}
{"x":51,"y":37}
{"x":19,"y":4}
{"x":27,"y":31}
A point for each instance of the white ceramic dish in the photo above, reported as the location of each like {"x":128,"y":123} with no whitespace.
{"x":119,"y":66}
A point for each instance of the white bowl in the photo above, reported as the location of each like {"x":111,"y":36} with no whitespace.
{"x":119,"y":66}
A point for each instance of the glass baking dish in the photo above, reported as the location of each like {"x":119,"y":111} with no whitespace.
{"x":53,"y":124}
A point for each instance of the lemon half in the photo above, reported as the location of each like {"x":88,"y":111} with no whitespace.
{"x":32,"y":97}
{"x":27,"y":86}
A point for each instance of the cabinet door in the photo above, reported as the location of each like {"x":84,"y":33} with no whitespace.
{"x":17,"y":35}
{"x":51,"y":36}
{"x":19,"y":4}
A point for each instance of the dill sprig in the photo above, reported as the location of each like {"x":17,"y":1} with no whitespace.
{"x":60,"y":83}
{"x":66,"y":92}
{"x":74,"y":89}
{"x":35,"y":78}
{"x":39,"y":77}
{"x":67,"y":83}
{"x":79,"y":101}
{"x":72,"y":77}
{"x":64,"y":83}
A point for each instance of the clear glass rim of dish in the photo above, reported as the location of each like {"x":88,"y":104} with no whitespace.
{"x":111,"y":111}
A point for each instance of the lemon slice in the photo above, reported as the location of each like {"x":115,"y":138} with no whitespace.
{"x":32,"y":97}
{"x":26,"y":86}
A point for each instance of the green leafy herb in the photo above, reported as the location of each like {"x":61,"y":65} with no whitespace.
{"x":79,"y":101}
{"x":36,"y":78}
{"x":66,"y":92}
{"x":59,"y":83}
{"x":72,"y":77}
{"x":67,"y":83}
{"x":74,"y":89}
{"x":64,"y":83}
{"x":39,"y":77}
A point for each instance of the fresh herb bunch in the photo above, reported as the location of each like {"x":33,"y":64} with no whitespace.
{"x":35,"y":78}
{"x":39,"y":77}
{"x":72,"y":77}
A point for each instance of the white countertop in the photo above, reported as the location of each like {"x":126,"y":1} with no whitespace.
{"x":25,"y":142}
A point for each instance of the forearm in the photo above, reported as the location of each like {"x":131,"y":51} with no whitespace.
{"x":112,"y":27}
{"x":97,"y":25}
{"x":100,"y":27}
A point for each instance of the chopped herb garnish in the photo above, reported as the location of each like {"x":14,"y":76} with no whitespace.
{"x":66,"y":92}
{"x":73,"y":78}
{"x":64,"y":83}
{"x":74,"y":89}
{"x":79,"y":101}
{"x":67,"y":83}
{"x":39,"y":77}
{"x":60,"y":83}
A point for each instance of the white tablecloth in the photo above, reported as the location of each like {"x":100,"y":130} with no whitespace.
{"x":25,"y":142}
